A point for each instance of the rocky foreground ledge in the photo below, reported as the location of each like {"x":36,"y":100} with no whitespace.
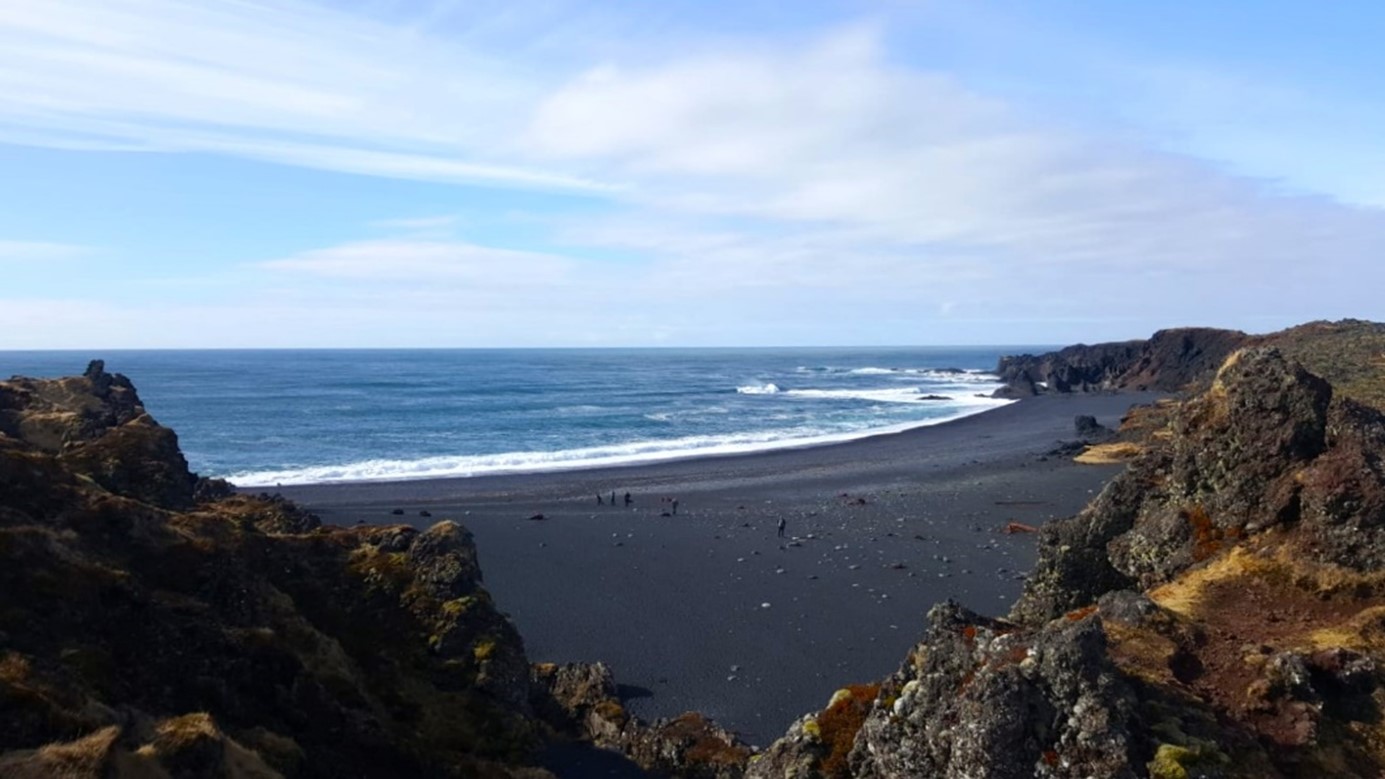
{"x":1218,"y":611}
{"x":155,"y":624}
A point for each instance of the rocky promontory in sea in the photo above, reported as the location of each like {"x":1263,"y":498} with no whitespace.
{"x":1218,"y":610}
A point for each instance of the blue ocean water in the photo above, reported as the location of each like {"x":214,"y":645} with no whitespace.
{"x":299,"y":417}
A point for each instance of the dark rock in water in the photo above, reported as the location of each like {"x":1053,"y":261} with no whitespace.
{"x":537,"y":517}
{"x":425,"y":514}
{"x":933,"y":397}
{"x":397,"y":512}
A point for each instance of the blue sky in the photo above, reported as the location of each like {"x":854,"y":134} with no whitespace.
{"x":193,"y":173}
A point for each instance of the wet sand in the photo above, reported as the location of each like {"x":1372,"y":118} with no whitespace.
{"x":709,"y":609}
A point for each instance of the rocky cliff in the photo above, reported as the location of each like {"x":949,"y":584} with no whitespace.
{"x":1168,"y":361}
{"x":145,"y":633}
{"x":1218,"y":611}
{"x":1350,"y":353}
{"x":154,"y":624}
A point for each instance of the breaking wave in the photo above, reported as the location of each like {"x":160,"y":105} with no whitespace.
{"x":631,"y":453}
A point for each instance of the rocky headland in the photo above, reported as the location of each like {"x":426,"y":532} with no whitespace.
{"x":156,"y":624}
{"x":1217,"y":611}
{"x":1346,"y":352}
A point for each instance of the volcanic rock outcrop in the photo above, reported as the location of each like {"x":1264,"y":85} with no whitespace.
{"x":1218,"y":611}
{"x":1349,"y":353}
{"x":155,"y":624}
{"x":1168,"y":361}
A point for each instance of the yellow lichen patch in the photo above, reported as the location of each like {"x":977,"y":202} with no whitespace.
{"x":1185,"y":594}
{"x":1109,"y":454}
{"x":1172,"y":761}
{"x":610,"y":709}
{"x":1141,"y":653}
{"x":813,"y":729}
{"x":1364,"y":632}
{"x":483,"y":649}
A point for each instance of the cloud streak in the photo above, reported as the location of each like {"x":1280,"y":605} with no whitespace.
{"x":286,"y":82}
{"x":748,"y":191}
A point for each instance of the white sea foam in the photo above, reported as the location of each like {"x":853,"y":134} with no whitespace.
{"x":759,"y":389}
{"x":635,"y":452}
{"x":945,"y":375}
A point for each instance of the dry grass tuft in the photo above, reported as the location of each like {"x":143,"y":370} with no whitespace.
{"x":85,"y":758}
{"x":1109,"y":454}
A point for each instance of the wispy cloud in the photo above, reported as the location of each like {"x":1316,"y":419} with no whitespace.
{"x":288,"y":82}
{"x":40,"y":251}
{"x":427,"y":262}
{"x":441,"y":222}
{"x":760,"y":190}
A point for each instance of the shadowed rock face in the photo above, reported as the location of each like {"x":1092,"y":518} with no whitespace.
{"x":1252,"y":521}
{"x":96,"y":425}
{"x":1168,"y":361}
{"x":156,"y":624}
{"x":141,"y":632}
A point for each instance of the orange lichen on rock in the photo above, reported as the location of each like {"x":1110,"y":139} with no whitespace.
{"x":840,"y":722}
{"x":1080,"y":614}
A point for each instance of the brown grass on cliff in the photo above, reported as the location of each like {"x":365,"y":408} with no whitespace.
{"x":1249,"y":606}
{"x":1109,"y":454}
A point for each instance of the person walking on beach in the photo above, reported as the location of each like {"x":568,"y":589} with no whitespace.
{"x":628,"y":499}
{"x":675,"y":507}
{"x":613,"y":497}
{"x":599,"y":501}
{"x":781,"y":527}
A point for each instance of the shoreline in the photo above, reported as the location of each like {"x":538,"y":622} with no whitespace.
{"x":878,"y":530}
{"x":654,"y":458}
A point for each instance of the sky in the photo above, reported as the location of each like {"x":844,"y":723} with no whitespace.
{"x":505,"y":173}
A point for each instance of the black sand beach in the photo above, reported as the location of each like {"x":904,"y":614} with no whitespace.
{"x":709,"y":609}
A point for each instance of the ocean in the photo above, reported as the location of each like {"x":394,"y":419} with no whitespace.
{"x":317,"y":416}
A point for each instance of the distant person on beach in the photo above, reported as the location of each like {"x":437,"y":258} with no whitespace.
{"x":781,"y":527}
{"x":675,"y":507}
{"x":599,"y":501}
{"x":613,"y":497}
{"x":628,"y":499}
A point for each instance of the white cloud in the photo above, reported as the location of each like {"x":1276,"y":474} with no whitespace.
{"x":833,"y":164}
{"x":759,"y":190}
